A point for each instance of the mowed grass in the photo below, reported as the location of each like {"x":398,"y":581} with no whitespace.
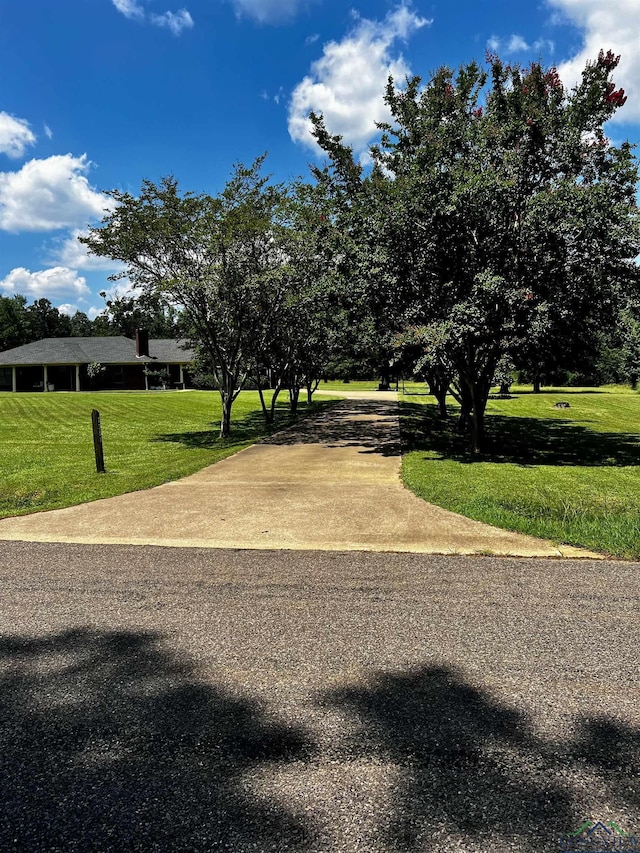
{"x":46,"y":443}
{"x":568,"y":475}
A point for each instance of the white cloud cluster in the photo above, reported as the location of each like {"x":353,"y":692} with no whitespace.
{"x":70,"y":252}
{"x":267,"y":11}
{"x":45,"y":195}
{"x":175,"y":22}
{"x":49,"y":284}
{"x":517,"y":44}
{"x":68,"y":309}
{"x":610,"y":25}
{"x":347,"y":83}
{"x":129,"y":8}
{"x":15,"y":135}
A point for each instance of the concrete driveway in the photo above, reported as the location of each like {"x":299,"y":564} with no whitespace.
{"x":331,"y":483}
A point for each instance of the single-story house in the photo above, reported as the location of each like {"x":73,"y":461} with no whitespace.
{"x":87,"y":364}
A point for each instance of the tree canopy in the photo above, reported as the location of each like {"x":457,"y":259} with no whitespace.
{"x":497,"y":219}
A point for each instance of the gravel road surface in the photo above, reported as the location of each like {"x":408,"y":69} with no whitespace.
{"x":161,"y":699}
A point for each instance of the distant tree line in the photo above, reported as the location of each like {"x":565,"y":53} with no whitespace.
{"x":21,"y":323}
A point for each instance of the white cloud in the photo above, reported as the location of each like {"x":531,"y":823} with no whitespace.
{"x":48,"y":132}
{"x":312,"y":39}
{"x":517,"y":44}
{"x":121,"y":288}
{"x":176,"y":22}
{"x":70,"y":252}
{"x":93,"y":312}
{"x":48,"y":194}
{"x":68,"y":309}
{"x":15,"y":135}
{"x":610,"y":25}
{"x":130,"y":9}
{"x":267,"y":11}
{"x":347,"y":83}
{"x":48,"y":284}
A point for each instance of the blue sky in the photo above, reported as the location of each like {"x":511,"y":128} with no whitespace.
{"x":97,"y":94}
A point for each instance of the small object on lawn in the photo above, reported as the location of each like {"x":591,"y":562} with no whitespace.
{"x":97,"y":441}
{"x":561,"y":405}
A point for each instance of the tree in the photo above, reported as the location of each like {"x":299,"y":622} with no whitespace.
{"x":45,"y":321}
{"x":300,"y":314}
{"x":81,"y":325}
{"x":125,"y":313}
{"x":510,"y":222}
{"x":13,"y":322}
{"x":203,"y":254}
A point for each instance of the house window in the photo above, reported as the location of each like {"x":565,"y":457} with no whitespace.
{"x":6,"y":379}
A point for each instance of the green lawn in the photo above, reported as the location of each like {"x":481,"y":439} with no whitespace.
{"x":46,"y":444}
{"x":569,"y":475}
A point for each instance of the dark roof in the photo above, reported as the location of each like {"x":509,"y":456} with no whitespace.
{"x":112,"y":350}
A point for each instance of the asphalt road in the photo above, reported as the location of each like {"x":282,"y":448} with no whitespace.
{"x":160,"y":699}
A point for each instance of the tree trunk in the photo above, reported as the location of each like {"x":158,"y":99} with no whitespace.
{"x":267,"y":412}
{"x":312,"y":387}
{"x":466,"y":406}
{"x":438,"y":382}
{"x":225,"y":422}
{"x":384,"y":377}
{"x":272,"y":410}
{"x":440,"y":393}
{"x":536,"y":384}
{"x":294,"y":394}
{"x":477,"y":428}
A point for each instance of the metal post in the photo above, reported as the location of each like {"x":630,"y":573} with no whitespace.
{"x":97,"y":441}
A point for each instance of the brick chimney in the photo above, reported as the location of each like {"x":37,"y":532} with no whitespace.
{"x":142,"y":343}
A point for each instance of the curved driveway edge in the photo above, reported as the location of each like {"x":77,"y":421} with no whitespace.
{"x":331,"y":483}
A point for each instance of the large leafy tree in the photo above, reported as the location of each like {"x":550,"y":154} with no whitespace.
{"x":498,"y":217}
{"x":14,"y":329}
{"x":204,"y":254}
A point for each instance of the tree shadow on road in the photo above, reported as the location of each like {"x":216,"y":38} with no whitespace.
{"x":519,"y":440}
{"x":110,"y":742}
{"x":471,"y":767}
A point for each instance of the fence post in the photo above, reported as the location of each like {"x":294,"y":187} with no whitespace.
{"x":97,"y":441}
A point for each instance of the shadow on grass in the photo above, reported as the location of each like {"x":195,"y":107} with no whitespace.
{"x":249,"y":428}
{"x":470,"y":765}
{"x":110,"y":742}
{"x":370,"y":425}
{"x":523,"y":441}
